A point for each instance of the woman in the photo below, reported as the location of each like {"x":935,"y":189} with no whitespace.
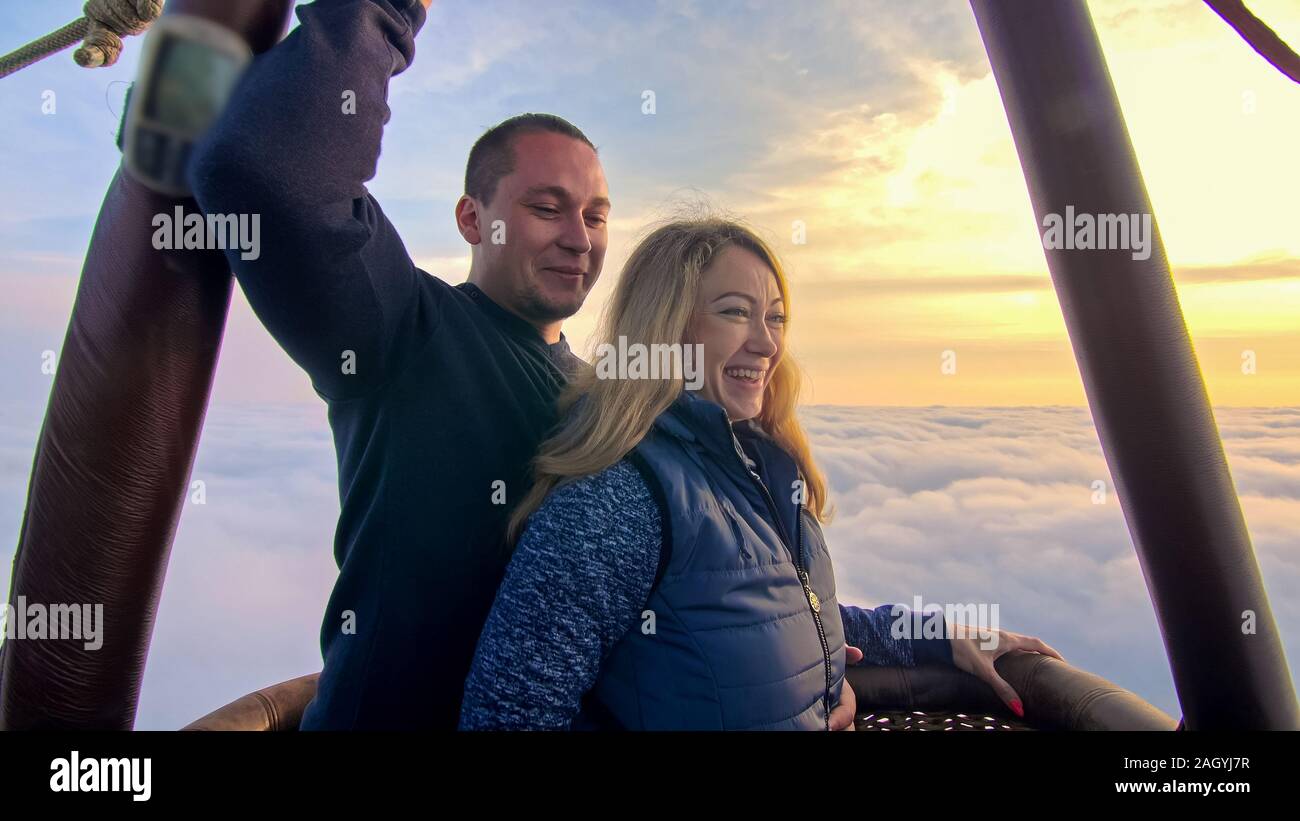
{"x":669,"y":569}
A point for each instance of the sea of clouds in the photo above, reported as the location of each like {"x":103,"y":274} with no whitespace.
{"x":955,"y":505}
{"x":997,"y":505}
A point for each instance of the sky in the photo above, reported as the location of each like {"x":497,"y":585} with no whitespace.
{"x":879,"y":127}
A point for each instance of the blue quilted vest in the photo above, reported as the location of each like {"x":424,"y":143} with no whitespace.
{"x":737,"y":641}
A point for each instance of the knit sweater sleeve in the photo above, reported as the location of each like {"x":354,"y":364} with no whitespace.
{"x":578,"y":580}
{"x":917,"y":642}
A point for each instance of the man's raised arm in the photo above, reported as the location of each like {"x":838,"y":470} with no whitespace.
{"x":331,"y":280}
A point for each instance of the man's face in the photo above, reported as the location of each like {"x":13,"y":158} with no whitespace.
{"x":545,"y":254}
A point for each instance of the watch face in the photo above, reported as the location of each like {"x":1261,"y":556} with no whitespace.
{"x":190,"y":84}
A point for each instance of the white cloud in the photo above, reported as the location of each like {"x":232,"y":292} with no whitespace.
{"x":969,"y":505}
{"x":957,"y":505}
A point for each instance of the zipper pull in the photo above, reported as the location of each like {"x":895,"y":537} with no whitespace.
{"x":813,"y":600}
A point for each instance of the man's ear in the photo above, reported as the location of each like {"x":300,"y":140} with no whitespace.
{"x":467,"y":219}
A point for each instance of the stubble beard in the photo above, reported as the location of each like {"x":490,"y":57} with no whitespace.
{"x":538,"y":307}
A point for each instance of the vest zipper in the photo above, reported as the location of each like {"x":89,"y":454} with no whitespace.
{"x":814,"y":604}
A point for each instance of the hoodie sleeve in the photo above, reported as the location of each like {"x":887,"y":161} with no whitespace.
{"x":872,"y":632}
{"x":295,"y":146}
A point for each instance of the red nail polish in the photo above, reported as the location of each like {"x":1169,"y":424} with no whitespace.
{"x":1018,"y":708}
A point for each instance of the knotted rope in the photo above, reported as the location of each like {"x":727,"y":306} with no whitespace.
{"x":100,"y":33}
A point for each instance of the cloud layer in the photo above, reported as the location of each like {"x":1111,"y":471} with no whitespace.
{"x":970,"y":505}
{"x":955,"y":505}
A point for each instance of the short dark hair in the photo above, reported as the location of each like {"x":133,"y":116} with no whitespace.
{"x":493,"y":155}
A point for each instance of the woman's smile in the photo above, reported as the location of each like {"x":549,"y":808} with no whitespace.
{"x":739,"y":319}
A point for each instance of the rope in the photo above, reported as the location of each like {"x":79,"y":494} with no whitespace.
{"x":102,"y":28}
{"x":1261,"y":38}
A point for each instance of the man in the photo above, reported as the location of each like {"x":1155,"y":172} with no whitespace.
{"x":438,"y":396}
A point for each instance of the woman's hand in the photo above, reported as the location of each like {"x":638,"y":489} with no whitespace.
{"x":975,"y":651}
{"x":844,"y":713}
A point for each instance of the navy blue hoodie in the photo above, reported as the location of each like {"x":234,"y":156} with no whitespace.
{"x":437,"y":397}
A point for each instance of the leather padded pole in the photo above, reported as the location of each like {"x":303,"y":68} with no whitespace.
{"x":1139,"y":371}
{"x":113,"y":459}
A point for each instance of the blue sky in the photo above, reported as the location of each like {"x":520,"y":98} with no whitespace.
{"x":876,"y":124}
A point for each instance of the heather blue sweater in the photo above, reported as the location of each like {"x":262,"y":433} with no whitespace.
{"x":437,"y":397}
{"x":579,"y":579}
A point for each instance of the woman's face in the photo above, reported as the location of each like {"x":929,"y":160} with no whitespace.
{"x":740,"y":320}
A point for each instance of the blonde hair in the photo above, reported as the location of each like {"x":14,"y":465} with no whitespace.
{"x":652,"y":304}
